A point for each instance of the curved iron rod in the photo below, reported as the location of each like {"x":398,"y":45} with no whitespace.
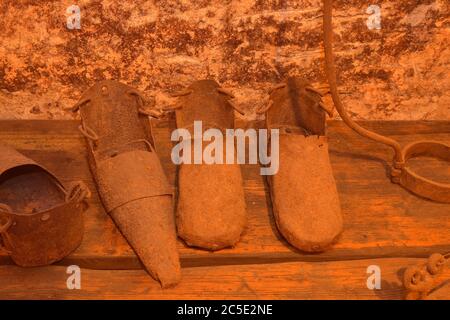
{"x":330,"y":70}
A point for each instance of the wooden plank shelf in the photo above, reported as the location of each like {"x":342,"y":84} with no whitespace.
{"x":382,"y":220}
{"x":295,"y":280}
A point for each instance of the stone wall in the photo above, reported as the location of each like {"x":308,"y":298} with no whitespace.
{"x":400,"y":71}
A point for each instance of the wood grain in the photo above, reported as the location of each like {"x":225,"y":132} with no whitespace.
{"x":381,"y":219}
{"x":297,"y":280}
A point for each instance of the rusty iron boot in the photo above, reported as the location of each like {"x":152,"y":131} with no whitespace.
{"x":304,"y":195}
{"x":129,"y":176}
{"x":41,"y":221}
{"x":211,"y":209}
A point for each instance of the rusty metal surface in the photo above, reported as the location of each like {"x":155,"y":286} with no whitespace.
{"x":204,"y":102}
{"x":400,"y":173}
{"x":420,"y":280}
{"x":415,"y":183}
{"x":118,"y":189}
{"x":129,"y":175}
{"x":304,"y":194}
{"x":293,"y":105}
{"x":211,"y":209}
{"x":41,"y":221}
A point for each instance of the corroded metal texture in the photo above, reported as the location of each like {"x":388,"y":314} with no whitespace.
{"x":420,"y":280}
{"x":203,"y":102}
{"x":41,"y":221}
{"x":304,"y":195}
{"x":129,"y":176}
{"x":211,"y":210}
{"x":416,"y":183}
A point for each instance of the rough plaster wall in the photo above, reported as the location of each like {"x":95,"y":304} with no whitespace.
{"x":159,"y":46}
